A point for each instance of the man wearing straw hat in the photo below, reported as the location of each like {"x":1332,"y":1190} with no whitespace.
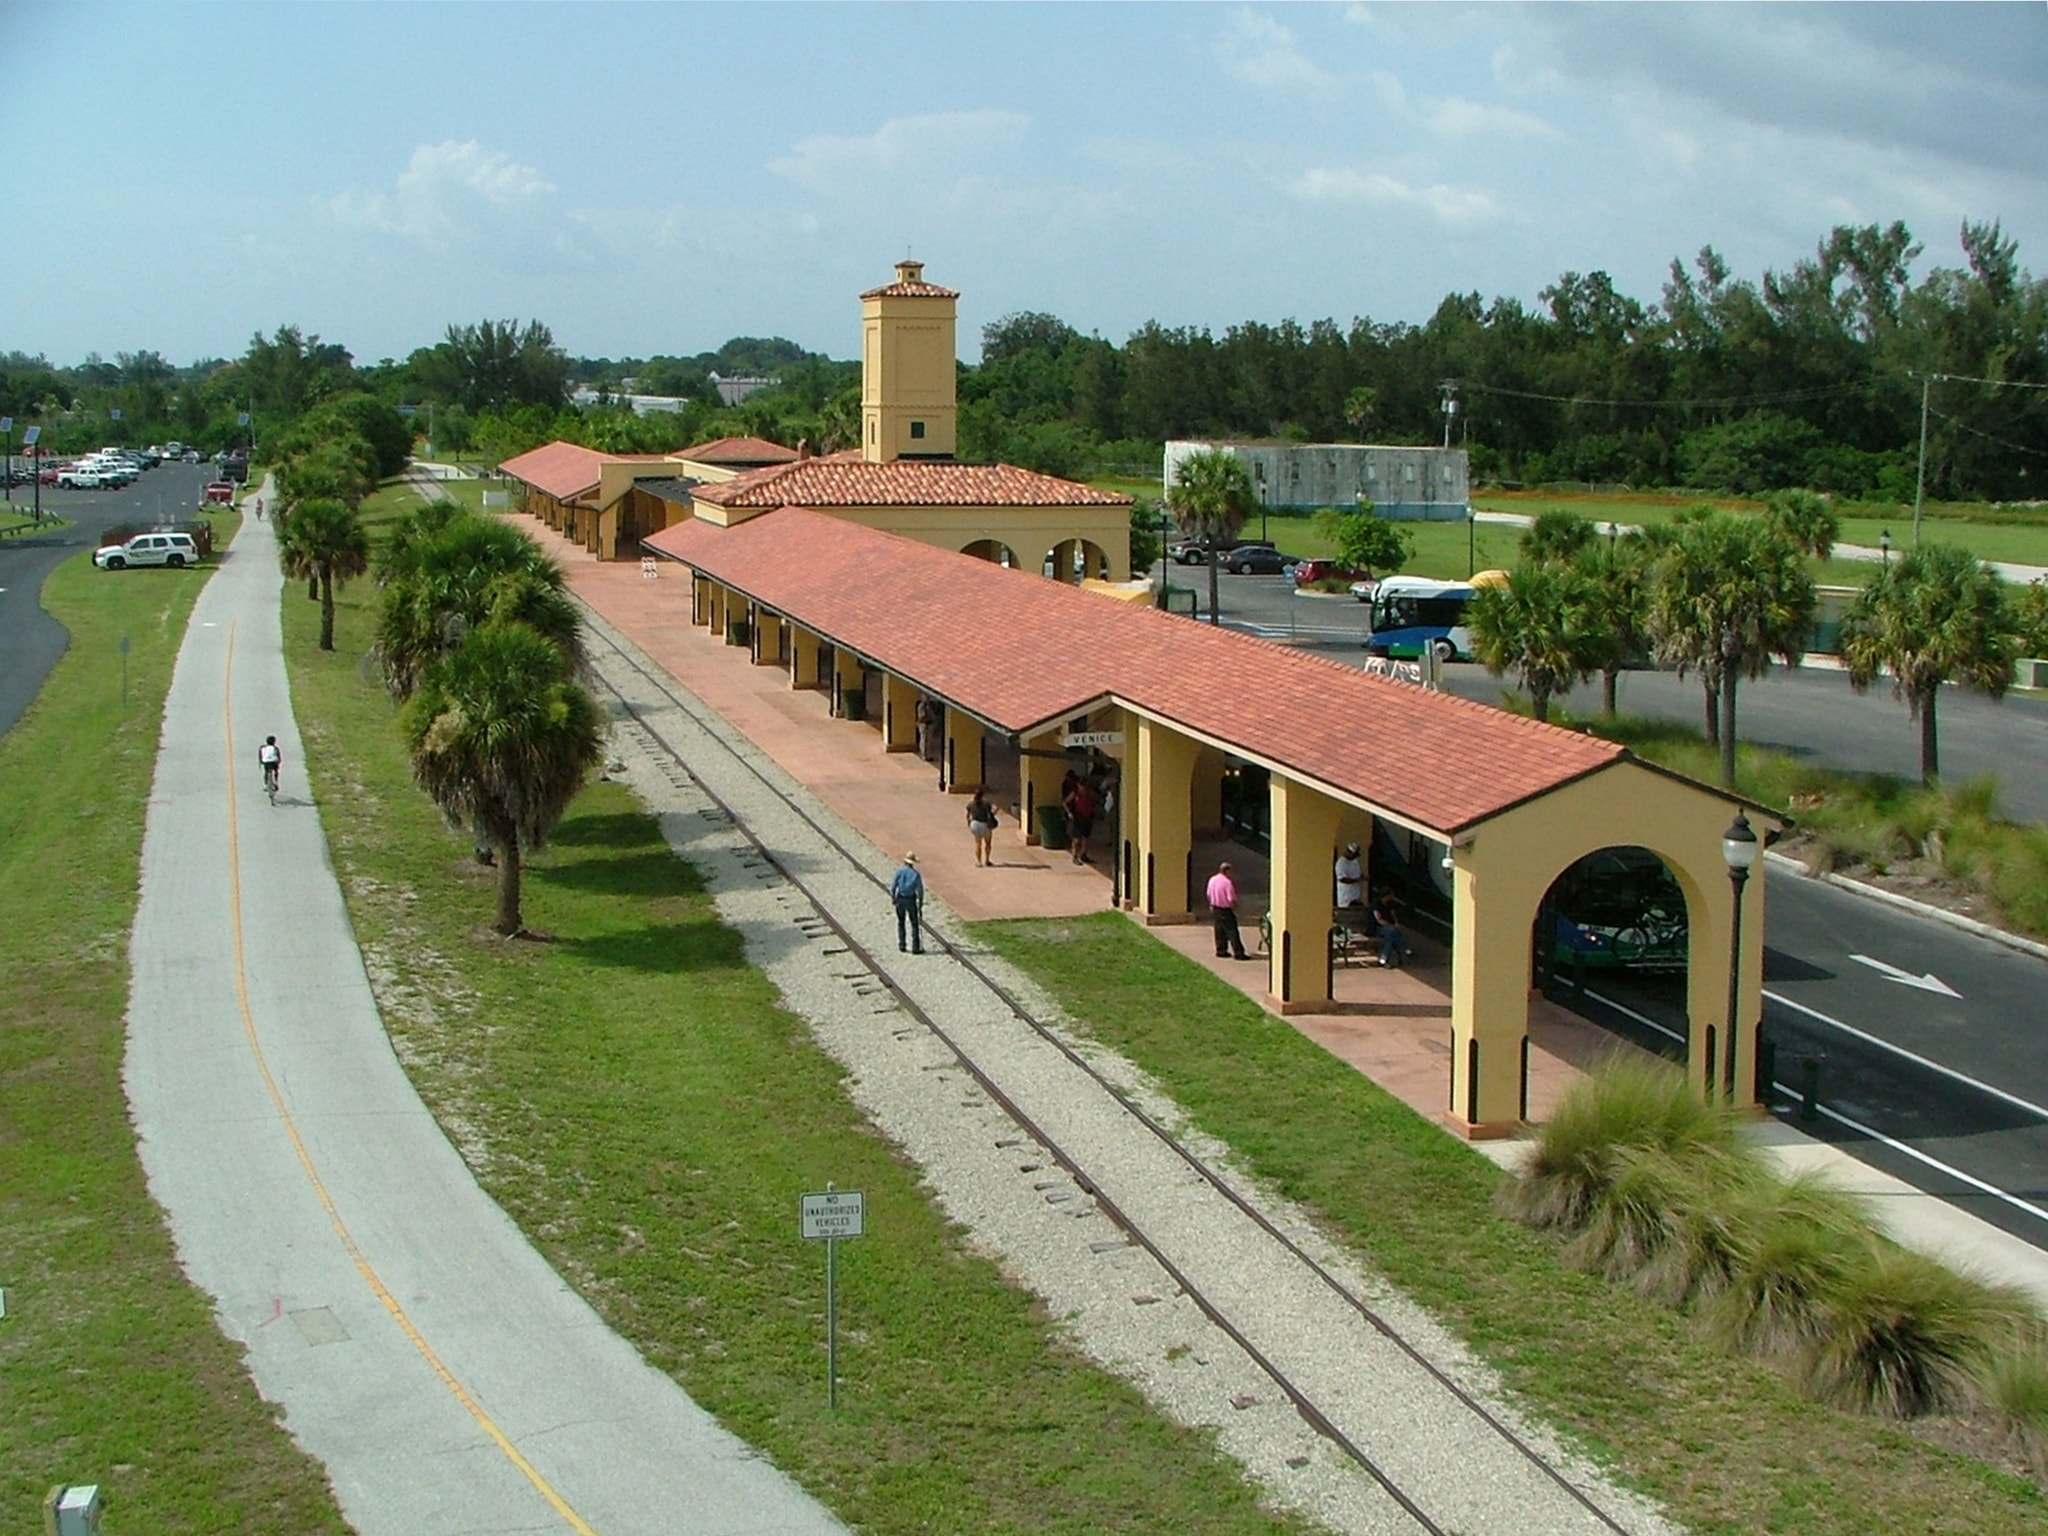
{"x":907,"y":891}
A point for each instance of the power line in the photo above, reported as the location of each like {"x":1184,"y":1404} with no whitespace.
{"x":1821,"y":393}
{"x":1964,"y":378}
{"x":1963,"y":426}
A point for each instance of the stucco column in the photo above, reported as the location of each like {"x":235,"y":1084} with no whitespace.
{"x":1304,"y":845}
{"x":700,"y":599}
{"x":806,"y":658}
{"x":1158,"y":790}
{"x":963,"y":769}
{"x":1041,"y":777}
{"x":715,"y":612}
{"x":768,"y":647}
{"x":847,"y":675}
{"x":899,"y":714}
{"x":1489,"y":996}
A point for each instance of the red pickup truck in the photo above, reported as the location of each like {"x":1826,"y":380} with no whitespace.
{"x":220,"y":493}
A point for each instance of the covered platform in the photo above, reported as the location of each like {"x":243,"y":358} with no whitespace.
{"x":1018,"y":666}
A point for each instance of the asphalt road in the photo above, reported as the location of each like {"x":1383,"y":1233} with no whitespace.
{"x":30,"y":639}
{"x":416,"y":1343}
{"x":1811,"y":711}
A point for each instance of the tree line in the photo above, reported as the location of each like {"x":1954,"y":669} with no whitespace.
{"x":1814,"y":377}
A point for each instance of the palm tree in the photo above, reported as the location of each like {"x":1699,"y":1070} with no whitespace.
{"x":1211,"y":497}
{"x":1727,"y":595}
{"x":1544,"y":624}
{"x":1806,"y":519}
{"x":1619,"y":570}
{"x":502,"y":740}
{"x":323,"y":542}
{"x":1932,"y":616}
{"x":1557,"y":534}
{"x":445,"y":576}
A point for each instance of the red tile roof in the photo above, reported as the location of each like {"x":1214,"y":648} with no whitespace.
{"x":568,"y":470}
{"x":911,"y":291}
{"x":739,"y":450}
{"x":562,"y":470}
{"x":1440,"y":762}
{"x":848,"y":480}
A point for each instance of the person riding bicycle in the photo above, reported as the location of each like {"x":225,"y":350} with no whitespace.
{"x":272,"y":758}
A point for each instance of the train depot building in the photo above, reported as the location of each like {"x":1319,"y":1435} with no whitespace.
{"x":879,"y":583}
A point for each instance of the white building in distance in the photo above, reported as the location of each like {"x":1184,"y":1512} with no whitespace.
{"x":1403,"y":484}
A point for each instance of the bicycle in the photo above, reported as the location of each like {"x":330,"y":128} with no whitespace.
{"x":272,"y":760}
{"x":270,"y":781}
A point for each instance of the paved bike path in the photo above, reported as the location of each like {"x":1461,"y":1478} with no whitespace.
{"x":447,"y":1377}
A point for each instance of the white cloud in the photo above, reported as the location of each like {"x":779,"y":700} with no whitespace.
{"x":451,"y":195}
{"x":1457,"y":206}
{"x":1456,"y":119}
{"x":942,"y":144}
{"x":1261,"y":52}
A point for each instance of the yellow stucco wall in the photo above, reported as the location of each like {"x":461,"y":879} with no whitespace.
{"x":908,"y":374}
{"x":1503,"y":872}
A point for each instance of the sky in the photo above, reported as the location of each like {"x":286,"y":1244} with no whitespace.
{"x":656,"y":178}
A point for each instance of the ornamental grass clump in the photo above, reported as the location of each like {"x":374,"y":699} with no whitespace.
{"x":1621,"y":1107}
{"x":1792,"y":1241}
{"x":1661,"y":1226}
{"x":2013,"y":1387}
{"x":1903,"y":1335}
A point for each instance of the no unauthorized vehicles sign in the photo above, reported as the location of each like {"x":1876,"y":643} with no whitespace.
{"x":836,"y":1213}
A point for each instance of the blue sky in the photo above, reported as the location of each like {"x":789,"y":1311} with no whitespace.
{"x":654,"y":178}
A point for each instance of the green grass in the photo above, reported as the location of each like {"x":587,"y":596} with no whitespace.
{"x":634,"y":1096}
{"x":111,"y":1367}
{"x":1725,"y":1442}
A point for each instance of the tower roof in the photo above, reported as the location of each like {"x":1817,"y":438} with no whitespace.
{"x":910,"y":284}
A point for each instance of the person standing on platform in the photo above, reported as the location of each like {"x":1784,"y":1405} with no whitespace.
{"x":981,"y":823}
{"x":1080,"y":807}
{"x":1223,"y":910}
{"x":927,"y":727}
{"x":907,"y":892}
{"x":1350,"y":878}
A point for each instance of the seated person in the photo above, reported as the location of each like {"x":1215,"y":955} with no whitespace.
{"x":1386,"y":924}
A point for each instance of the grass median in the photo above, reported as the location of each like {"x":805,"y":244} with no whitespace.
{"x":112,"y":1370}
{"x":632,"y":1093}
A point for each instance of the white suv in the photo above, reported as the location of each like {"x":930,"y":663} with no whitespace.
{"x":172,"y":549}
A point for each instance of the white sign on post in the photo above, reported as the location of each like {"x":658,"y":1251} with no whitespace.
{"x":1092,"y":739}
{"x":838,"y":1213}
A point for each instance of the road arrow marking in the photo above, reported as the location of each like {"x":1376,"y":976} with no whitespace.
{"x":1927,"y":982}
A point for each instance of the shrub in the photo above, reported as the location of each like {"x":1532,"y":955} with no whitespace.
{"x":2013,"y":1386}
{"x":1790,"y":1245}
{"x":1622,"y":1106}
{"x":1902,"y":1335}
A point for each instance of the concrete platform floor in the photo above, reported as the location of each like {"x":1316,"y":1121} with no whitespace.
{"x":1391,"y":1024}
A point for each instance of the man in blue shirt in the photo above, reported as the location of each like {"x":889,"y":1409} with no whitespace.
{"x":907,"y":891}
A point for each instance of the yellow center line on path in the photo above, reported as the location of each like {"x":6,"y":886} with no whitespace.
{"x":348,"y":1242}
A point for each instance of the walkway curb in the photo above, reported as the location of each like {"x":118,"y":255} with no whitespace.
{"x":1900,"y":903}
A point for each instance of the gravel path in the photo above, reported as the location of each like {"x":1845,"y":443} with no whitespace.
{"x":1117,"y":1302}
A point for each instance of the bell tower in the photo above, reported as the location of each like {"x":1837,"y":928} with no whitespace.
{"x":908,"y":407}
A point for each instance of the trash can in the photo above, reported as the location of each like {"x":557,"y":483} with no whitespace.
{"x":853,"y":703}
{"x":738,"y":632}
{"x":1052,"y":826}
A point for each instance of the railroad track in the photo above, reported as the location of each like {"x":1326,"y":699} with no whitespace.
{"x":1377,"y":1384}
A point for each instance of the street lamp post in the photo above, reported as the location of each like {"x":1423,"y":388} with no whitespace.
{"x":32,"y":441}
{"x":7,"y":426}
{"x":1739,"y":847}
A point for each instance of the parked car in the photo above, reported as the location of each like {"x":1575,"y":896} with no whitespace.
{"x":220,"y":493}
{"x":171,"y":549}
{"x":1307,"y":571}
{"x":78,"y":478}
{"x":1363,"y":590}
{"x":1255,"y":560}
{"x":50,"y":473}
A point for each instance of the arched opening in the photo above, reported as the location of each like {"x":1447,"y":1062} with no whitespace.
{"x":995,"y":551}
{"x":1076,"y":560}
{"x":1613,"y":942}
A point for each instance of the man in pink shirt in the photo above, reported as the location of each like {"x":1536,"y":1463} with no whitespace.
{"x":1223,"y":908}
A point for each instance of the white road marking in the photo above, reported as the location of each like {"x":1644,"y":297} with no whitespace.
{"x":1927,"y":981}
{"x":1918,"y":1060}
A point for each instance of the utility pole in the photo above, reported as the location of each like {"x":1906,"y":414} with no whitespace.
{"x":1920,"y":480}
{"x":1449,"y":389}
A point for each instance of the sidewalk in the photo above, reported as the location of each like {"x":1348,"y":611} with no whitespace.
{"x":1391,"y":1025}
{"x":413,"y":1339}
